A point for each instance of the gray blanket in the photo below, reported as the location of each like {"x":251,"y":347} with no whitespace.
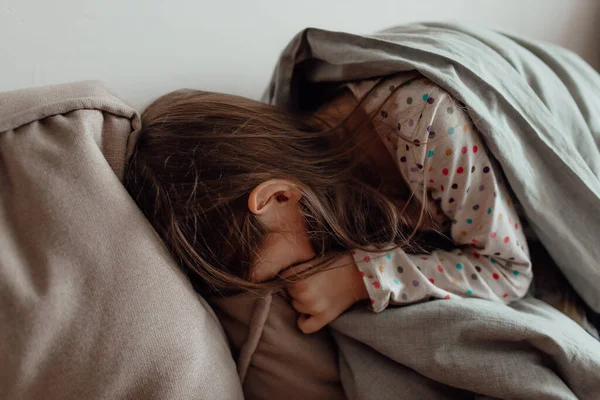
{"x":427,"y":351}
{"x":537,"y":107}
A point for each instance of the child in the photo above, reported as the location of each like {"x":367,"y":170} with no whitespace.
{"x":245,"y":194}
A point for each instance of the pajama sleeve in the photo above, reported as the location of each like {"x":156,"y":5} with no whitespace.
{"x":438,"y":149}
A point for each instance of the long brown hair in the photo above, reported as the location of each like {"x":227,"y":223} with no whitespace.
{"x":199,"y":156}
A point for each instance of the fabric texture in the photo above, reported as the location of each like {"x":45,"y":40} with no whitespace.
{"x":452,"y":349}
{"x":537,"y":109}
{"x":275,"y":359}
{"x":92,"y":306}
{"x":440,"y":155}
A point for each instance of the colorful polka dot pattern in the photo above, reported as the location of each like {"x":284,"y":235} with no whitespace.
{"x":439,"y":148}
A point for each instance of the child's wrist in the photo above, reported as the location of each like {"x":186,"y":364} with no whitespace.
{"x":362,"y":292}
{"x":360,"y":288}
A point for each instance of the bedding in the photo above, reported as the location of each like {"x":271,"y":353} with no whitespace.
{"x":92,"y":306}
{"x":537,"y":107}
{"x":457,"y":348}
{"x":275,"y":359}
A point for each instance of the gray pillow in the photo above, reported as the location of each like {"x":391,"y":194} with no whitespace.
{"x":92,"y":306}
{"x":275,"y":359}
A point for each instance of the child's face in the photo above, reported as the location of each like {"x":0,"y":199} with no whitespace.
{"x":286,"y":245}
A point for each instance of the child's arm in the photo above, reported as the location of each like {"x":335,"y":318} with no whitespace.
{"x":442,"y":151}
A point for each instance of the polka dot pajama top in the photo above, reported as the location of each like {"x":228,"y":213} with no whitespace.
{"x":435,"y":145}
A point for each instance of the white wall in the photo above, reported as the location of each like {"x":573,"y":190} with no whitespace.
{"x":144,"y":48}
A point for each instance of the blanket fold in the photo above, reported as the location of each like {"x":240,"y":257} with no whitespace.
{"x":528,"y":350}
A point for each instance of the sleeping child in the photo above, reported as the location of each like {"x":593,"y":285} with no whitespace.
{"x":335,"y":206}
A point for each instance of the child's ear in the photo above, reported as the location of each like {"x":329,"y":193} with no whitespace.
{"x":271,"y":195}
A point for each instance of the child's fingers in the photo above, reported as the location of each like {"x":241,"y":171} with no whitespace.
{"x":301,"y":308}
{"x":300,"y":267}
{"x":311,"y":323}
{"x":293,"y":290}
{"x":293,"y":270}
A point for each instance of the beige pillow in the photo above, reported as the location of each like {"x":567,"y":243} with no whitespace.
{"x":92,"y":306}
{"x":275,"y":359}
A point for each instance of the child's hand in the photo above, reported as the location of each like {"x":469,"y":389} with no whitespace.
{"x":322,"y":297}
